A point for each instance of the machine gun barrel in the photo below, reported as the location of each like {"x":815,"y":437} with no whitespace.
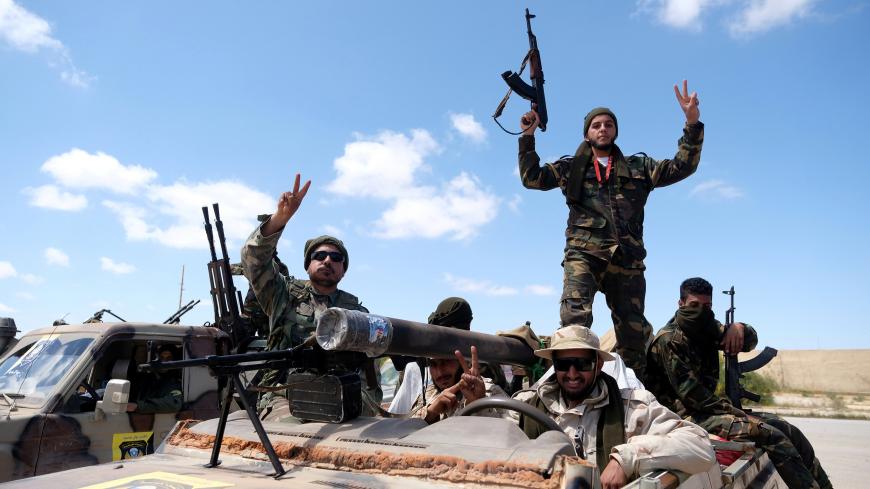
{"x":346,"y":330}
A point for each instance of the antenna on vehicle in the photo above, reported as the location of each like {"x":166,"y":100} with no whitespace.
{"x":181,"y":287}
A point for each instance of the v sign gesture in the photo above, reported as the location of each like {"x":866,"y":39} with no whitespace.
{"x":471,"y":384}
{"x":288,"y":204}
{"x":689,"y":103}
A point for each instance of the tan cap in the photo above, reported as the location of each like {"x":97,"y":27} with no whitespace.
{"x":574,"y":337}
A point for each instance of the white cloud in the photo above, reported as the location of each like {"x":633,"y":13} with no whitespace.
{"x":6,"y":309}
{"x":762,"y":15}
{"x":54,"y":256}
{"x":120,"y":268}
{"x":181,"y":205}
{"x":7,"y":270}
{"x":32,"y":279}
{"x":484,"y":287}
{"x":167,"y":214}
{"x":681,"y":14}
{"x":27,"y":32}
{"x":466,"y":125}
{"x":79,"y":169}
{"x":383,"y":167}
{"x":50,"y":197}
{"x":387,"y":167}
{"x":332,"y":231}
{"x":536,"y":289}
{"x":716,"y":189}
{"x":457,"y":211}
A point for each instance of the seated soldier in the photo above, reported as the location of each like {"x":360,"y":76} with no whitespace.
{"x":625,"y":431}
{"x":162,"y":392}
{"x":454,"y":385}
{"x":453,"y":312}
{"x":683,"y":370}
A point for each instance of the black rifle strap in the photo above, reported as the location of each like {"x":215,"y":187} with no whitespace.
{"x":503,"y":103}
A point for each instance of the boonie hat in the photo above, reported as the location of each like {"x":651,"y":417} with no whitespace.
{"x":574,"y":337}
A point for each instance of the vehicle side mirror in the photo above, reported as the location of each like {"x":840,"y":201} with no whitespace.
{"x":115,"y":398}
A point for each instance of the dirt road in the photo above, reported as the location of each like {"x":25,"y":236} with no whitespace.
{"x":843,"y":448}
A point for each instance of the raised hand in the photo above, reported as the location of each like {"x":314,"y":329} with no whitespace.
{"x":529,"y":122}
{"x":689,"y":103}
{"x":288,"y":204}
{"x":471,"y":384}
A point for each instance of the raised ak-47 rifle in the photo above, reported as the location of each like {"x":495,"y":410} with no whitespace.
{"x":734,"y":369}
{"x":224,"y":296}
{"x":534,"y":93}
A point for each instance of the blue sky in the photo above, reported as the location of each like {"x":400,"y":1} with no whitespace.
{"x":120,"y":120}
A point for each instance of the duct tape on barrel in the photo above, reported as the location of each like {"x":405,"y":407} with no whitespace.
{"x":346,"y":330}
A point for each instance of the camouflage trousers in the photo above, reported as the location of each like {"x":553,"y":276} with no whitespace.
{"x":788,"y":448}
{"x":624,"y":287}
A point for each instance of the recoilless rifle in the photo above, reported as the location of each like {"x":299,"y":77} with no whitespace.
{"x":534,"y":93}
{"x":324,"y":384}
{"x":735,"y":369}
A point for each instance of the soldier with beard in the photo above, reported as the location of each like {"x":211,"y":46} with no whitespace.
{"x":683,"y":370}
{"x":606,"y":193}
{"x":292,"y":304}
{"x":454,"y":383}
{"x":626,"y":432}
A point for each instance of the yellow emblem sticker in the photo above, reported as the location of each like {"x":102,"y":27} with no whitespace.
{"x":132,"y":445}
{"x":159,"y":480}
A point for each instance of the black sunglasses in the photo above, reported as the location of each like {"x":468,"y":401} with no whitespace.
{"x":581,"y":364}
{"x":321,"y":255}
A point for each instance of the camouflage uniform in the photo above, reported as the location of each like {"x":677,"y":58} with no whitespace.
{"x":604,"y":248}
{"x":162,"y":395}
{"x":292,"y":306}
{"x":683,"y":372}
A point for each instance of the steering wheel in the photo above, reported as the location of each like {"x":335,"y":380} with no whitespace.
{"x":91,"y":390}
{"x":510,"y":405}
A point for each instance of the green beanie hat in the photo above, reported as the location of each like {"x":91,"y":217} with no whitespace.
{"x":596,"y":112}
{"x":313,"y":243}
{"x":453,"y":312}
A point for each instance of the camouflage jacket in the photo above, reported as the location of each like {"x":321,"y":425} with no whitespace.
{"x":604,"y":217}
{"x":291,"y":304}
{"x":162,"y":395}
{"x":418,"y":411}
{"x":683,"y":373}
{"x":656,"y":438}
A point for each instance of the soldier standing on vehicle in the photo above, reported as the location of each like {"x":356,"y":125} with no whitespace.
{"x":292,"y":304}
{"x":626,"y":432}
{"x":606,"y":193}
{"x":683,"y":370}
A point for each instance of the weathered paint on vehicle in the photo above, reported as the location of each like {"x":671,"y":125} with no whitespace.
{"x":58,"y":426}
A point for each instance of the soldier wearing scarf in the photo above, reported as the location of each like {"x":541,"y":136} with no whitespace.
{"x":606,"y":193}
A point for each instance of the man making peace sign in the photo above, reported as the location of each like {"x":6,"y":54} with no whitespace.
{"x":606,"y":193}
{"x":292,"y":304}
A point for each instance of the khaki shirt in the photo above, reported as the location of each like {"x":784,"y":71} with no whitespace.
{"x":656,"y":438}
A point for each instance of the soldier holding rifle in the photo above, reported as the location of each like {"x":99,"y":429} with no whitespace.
{"x":683,"y":370}
{"x":606,"y":193}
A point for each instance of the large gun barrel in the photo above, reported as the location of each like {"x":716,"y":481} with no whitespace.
{"x":346,"y":330}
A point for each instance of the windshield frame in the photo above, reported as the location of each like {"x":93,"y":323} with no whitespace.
{"x":52,"y":367}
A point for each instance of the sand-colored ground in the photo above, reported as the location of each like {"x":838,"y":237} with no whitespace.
{"x":825,"y":371}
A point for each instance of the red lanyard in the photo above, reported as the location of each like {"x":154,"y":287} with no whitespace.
{"x":606,"y":172}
